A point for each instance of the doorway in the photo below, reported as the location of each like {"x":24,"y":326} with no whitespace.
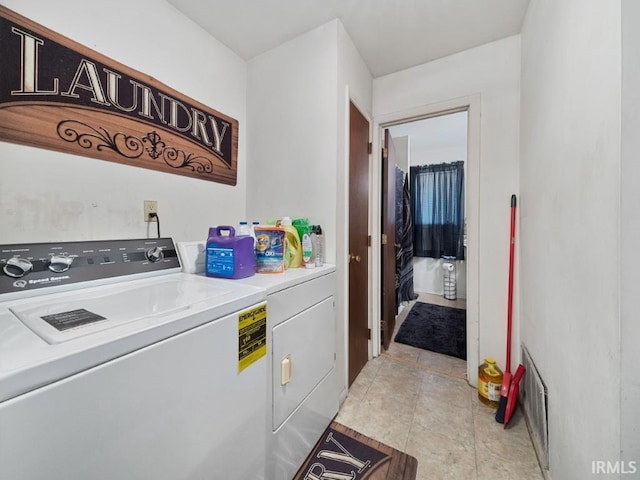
{"x":435,"y":140}
{"x":468,"y":269}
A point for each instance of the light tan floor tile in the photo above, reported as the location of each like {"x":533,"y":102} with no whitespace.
{"x":347,"y":413}
{"x":402,"y":377}
{"x":442,"y":389}
{"x":365,"y":379}
{"x":440,"y":300}
{"x":387,"y":410}
{"x":420,"y":402}
{"x":504,"y":453}
{"x":406,"y":352}
{"x":454,"y":367}
{"x":370,"y":370}
{"x":387,"y":427}
{"x":445,"y":453}
{"x":358,"y":391}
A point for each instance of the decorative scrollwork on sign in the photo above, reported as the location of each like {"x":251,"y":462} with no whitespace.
{"x":132,"y":147}
{"x":179,"y":159}
{"x":86,"y":136}
{"x":157,"y":145}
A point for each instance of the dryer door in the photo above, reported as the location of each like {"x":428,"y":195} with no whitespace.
{"x":303,"y":354}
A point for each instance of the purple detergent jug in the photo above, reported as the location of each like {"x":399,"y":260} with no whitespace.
{"x":229,"y":256}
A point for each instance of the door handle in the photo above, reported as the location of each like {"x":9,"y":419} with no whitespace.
{"x":354,"y":257}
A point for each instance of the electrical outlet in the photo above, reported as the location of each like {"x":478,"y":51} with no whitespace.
{"x":150,"y":206}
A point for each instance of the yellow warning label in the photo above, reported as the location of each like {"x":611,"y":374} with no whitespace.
{"x":252,"y":336}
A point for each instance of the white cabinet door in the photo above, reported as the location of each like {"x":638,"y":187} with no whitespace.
{"x":303,"y":354}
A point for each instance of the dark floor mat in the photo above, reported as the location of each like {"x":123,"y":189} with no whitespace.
{"x":435,"y":328}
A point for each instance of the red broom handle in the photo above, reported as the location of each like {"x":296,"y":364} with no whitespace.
{"x":512,"y":241}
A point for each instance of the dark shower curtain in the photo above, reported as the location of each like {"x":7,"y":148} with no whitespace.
{"x":404,"y":240}
{"x":437,"y":208}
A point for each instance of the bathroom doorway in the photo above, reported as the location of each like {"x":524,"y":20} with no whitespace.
{"x":433,"y":147}
{"x":436,"y":140}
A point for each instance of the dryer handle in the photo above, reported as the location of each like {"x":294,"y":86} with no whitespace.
{"x":285,"y":370}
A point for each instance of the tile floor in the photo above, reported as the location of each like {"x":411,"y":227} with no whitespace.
{"x":420,"y":403}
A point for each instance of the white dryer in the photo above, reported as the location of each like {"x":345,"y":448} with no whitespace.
{"x":303,"y":388}
{"x":115,"y":365}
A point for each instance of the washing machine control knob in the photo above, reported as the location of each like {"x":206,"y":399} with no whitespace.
{"x":154,"y":254}
{"x":17,"y":267}
{"x":60,"y":263}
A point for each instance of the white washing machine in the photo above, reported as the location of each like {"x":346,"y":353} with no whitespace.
{"x":115,"y":365}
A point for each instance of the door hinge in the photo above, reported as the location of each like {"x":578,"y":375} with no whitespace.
{"x":384,"y":239}
{"x":385,"y":152}
{"x":369,"y":333}
{"x":368,"y":240}
{"x":370,"y":148}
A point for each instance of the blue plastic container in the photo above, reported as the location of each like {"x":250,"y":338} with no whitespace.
{"x":229,"y":256}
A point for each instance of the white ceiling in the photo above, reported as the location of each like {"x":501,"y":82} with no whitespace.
{"x":391,"y":35}
{"x":434,"y":134}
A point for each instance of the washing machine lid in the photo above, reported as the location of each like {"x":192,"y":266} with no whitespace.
{"x":46,"y":338}
{"x":84,"y":313}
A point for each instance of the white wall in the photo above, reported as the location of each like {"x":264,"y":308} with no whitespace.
{"x":491,"y":71}
{"x":441,"y":139}
{"x":298,"y":152}
{"x":291,"y":97}
{"x":428,"y":276}
{"x":630,"y":235}
{"x":440,"y":155}
{"x":47,"y":196}
{"x":569,"y":213}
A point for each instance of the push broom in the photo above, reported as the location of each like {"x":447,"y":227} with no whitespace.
{"x":506,"y":379}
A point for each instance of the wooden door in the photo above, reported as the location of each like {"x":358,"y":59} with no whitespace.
{"x":358,"y":244}
{"x":388,"y":241}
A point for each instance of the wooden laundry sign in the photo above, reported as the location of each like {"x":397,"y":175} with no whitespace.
{"x":60,"y":95}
